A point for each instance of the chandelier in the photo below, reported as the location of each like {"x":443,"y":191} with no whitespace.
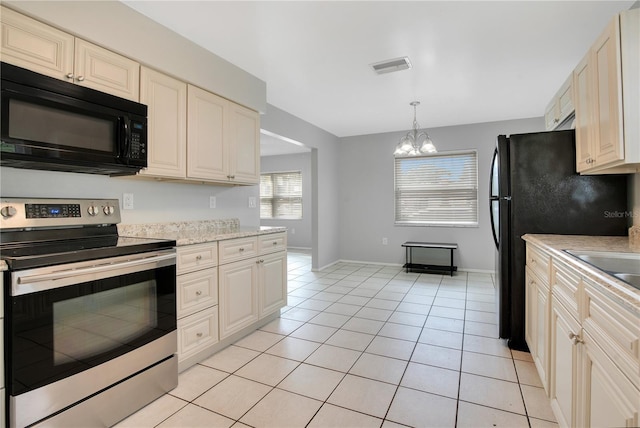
{"x":414,"y":143}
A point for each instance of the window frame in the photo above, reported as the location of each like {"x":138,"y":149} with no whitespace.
{"x":273,"y":205}
{"x":473,"y":224}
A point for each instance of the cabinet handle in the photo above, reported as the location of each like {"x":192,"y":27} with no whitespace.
{"x":275,"y":242}
{"x":70,"y":76}
{"x":576,"y":338}
{"x":556,"y":120}
{"x":241,"y":249}
{"x":199,"y":334}
{"x":199,"y":293}
{"x":198,"y":257}
{"x":80,"y":78}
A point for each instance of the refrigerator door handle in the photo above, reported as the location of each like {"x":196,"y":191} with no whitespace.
{"x":506,"y":198}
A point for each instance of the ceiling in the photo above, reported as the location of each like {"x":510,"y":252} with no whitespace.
{"x":471,"y":61}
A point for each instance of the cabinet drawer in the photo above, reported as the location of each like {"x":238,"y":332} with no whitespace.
{"x":538,"y":261}
{"x":197,"y":332}
{"x":272,"y":243}
{"x":614,"y":328}
{"x":566,"y":285}
{"x":196,"y":257}
{"x":197,"y":291}
{"x":237,"y":249}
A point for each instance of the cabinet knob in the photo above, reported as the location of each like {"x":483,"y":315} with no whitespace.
{"x":576,"y":338}
{"x":198,"y":257}
{"x":80,"y":78}
{"x":70,"y":76}
{"x":556,"y":120}
{"x":241,"y":249}
{"x":275,"y":242}
{"x":199,"y":334}
{"x":199,"y":293}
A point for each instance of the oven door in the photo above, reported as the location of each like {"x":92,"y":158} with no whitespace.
{"x":70,"y":328}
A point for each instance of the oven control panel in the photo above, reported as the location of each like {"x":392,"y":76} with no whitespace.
{"x":21,"y":213}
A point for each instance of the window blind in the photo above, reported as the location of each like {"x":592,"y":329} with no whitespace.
{"x":281,"y":195}
{"x":439,"y":189}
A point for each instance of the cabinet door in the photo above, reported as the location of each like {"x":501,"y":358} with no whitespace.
{"x":166,"y":99}
{"x":273,"y":283}
{"x":244,"y":141}
{"x":238,"y":296}
{"x":106,"y":71}
{"x":584,"y":116}
{"x":609,"y":398}
{"x":33,"y":45}
{"x":537,"y":316}
{"x":609,"y":146}
{"x":564,"y":365}
{"x":207,"y":150}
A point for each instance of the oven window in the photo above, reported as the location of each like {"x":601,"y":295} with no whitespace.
{"x":60,"y":127}
{"x":57,"y":333}
{"x":86,"y":326}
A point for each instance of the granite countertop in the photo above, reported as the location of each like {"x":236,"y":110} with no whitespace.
{"x":619,"y":290}
{"x":195,"y":232}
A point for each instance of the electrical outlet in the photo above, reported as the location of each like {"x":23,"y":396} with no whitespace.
{"x":127,"y":201}
{"x":252,"y":201}
{"x":385,"y":241}
{"x":212,"y":201}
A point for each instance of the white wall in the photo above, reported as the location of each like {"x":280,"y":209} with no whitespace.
{"x":324,"y":164}
{"x":367,"y":195}
{"x":299,"y":231}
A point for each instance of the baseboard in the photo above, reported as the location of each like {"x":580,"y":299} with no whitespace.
{"x":360,"y":262}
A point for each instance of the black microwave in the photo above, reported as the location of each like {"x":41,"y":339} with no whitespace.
{"x":54,"y":125}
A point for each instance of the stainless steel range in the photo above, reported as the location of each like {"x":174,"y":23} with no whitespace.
{"x":90,"y":324}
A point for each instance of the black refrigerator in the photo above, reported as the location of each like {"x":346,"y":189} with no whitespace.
{"x":534,"y":188}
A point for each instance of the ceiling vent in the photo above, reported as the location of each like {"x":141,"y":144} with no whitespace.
{"x":391,"y":65}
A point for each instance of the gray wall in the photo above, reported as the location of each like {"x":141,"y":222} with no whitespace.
{"x":325,"y":183}
{"x":299,"y":231}
{"x":154,"y":201}
{"x":366,"y":195}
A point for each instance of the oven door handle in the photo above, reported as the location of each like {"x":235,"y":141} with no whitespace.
{"x":95,"y":269}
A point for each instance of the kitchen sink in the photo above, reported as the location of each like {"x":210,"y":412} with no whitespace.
{"x":624,"y":266}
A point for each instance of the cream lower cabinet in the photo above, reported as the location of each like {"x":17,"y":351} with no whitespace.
{"x":197,"y":301}
{"x":253,"y":280}
{"x":564,"y":365}
{"x":593,"y":347}
{"x":47,"y":50}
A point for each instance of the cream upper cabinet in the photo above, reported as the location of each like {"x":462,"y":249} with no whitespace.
{"x":166,"y":99}
{"x":36,"y":46}
{"x":244,"y":143}
{"x":584,"y":116}
{"x":607,"y":99}
{"x":207,"y":145}
{"x":560,"y":107}
{"x":223,"y":139}
{"x":106,"y":71}
{"x":44,"y":49}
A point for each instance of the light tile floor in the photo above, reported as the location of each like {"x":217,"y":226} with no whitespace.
{"x":364,"y":346}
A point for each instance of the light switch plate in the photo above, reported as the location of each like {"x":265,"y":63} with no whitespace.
{"x":212,"y":201}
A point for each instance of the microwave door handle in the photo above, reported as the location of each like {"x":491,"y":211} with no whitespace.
{"x":124,"y":141}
